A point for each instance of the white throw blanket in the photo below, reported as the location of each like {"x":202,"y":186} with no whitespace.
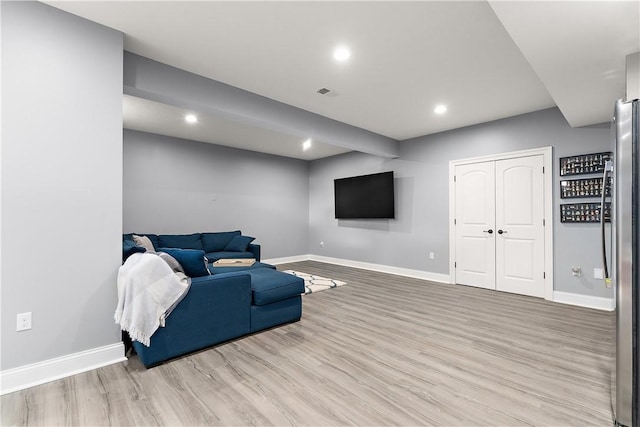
{"x":147,"y":292}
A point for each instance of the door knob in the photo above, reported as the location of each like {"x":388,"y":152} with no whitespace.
{"x":490,"y":231}
{"x":502,"y":231}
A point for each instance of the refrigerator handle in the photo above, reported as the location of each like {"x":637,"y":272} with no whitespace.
{"x":608,"y":168}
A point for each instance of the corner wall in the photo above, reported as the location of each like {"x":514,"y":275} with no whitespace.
{"x":422,"y":198}
{"x":61,"y":181}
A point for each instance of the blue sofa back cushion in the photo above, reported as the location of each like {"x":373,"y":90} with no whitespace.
{"x":184,"y":241}
{"x":129,"y":248}
{"x":239,"y":243}
{"x":214,"y":242}
{"x":192,"y":260}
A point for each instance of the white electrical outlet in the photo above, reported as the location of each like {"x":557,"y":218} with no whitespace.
{"x":23,"y":322}
{"x":432,"y":255}
{"x":597,"y":273}
{"x":322,"y":244}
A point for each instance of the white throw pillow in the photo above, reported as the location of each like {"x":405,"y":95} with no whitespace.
{"x":144,"y":242}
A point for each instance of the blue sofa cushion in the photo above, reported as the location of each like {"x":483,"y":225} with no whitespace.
{"x":154,"y":239}
{"x":239,"y":243}
{"x":222,"y":270}
{"x":214,"y":256}
{"x":129,"y":248}
{"x":184,"y":241}
{"x":192,"y":260}
{"x":269,"y":286}
{"x":214,"y":242}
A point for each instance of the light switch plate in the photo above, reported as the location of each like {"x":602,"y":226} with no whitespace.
{"x":597,"y":273}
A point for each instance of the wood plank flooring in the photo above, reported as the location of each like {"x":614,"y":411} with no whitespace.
{"x":382,"y":350}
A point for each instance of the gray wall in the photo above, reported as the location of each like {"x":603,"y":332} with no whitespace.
{"x":61,"y":174}
{"x":422,"y":198}
{"x":178,"y":186}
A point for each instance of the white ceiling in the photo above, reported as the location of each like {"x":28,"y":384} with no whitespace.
{"x":580,"y":53}
{"x":149,"y":116}
{"x":485,"y":61}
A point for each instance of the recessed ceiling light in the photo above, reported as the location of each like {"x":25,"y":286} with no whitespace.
{"x":306,"y":145}
{"x":341,"y":53}
{"x":191,"y":118}
{"x":440,"y":109}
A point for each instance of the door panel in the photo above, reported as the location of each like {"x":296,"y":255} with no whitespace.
{"x":519,"y":215}
{"x":475,"y":215}
{"x":517,"y":256}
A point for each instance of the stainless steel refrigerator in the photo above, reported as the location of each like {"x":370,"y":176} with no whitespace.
{"x":624,"y":259}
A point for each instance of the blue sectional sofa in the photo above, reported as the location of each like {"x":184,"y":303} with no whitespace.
{"x":227,"y":244}
{"x":223,"y":304}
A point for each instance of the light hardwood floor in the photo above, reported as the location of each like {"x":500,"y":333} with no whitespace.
{"x":383,"y":350}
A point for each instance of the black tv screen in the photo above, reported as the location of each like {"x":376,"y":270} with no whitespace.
{"x":366,"y":196}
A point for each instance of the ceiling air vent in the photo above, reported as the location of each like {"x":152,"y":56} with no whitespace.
{"x":327,"y":92}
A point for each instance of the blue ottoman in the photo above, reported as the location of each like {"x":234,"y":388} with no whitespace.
{"x":275,"y":298}
{"x":269,"y":286}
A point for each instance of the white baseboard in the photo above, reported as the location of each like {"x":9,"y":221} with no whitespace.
{"x":588,"y":301}
{"x":53,"y":369}
{"x":599,"y":303}
{"x":285,"y":260}
{"x":418,"y":274}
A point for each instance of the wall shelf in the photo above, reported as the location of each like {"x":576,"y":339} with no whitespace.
{"x":582,"y":188}
{"x":584,"y":212}
{"x":584,"y":163}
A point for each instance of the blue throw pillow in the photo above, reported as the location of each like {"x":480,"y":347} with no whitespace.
{"x":129,"y":248}
{"x":239,"y":244}
{"x":192,"y":260}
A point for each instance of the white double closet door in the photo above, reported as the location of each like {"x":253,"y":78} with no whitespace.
{"x":499,"y":225}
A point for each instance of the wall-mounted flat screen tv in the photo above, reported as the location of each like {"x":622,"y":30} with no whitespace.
{"x":366,"y":196}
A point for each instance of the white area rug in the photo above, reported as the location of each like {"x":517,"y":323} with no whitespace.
{"x":316,"y":283}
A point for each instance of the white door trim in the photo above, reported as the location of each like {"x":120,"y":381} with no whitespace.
{"x":547,"y":155}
